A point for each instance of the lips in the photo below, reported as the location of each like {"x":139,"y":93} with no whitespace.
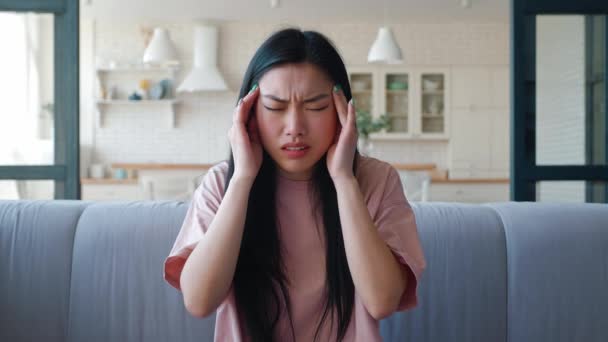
{"x":295,"y":150}
{"x":295,"y":147}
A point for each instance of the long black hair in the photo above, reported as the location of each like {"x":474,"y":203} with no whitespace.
{"x":260,"y":280}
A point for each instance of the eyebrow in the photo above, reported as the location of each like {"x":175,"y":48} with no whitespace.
{"x":312,"y":99}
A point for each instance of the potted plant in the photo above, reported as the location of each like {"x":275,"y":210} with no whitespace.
{"x":366,"y":125}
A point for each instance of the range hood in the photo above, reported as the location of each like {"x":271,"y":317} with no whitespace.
{"x":205,"y":75}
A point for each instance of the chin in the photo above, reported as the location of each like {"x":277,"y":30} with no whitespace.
{"x":298,"y":166}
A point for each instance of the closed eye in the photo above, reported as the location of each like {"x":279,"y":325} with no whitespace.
{"x":315,"y":109}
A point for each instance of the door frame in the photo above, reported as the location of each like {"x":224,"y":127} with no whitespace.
{"x":524,"y":171}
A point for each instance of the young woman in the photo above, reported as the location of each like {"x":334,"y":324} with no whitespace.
{"x":297,"y":237}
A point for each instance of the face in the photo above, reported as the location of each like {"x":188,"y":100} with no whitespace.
{"x":296,"y":117}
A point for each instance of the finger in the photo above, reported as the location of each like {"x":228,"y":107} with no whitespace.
{"x":340,"y":103}
{"x":352,"y":115}
{"x":245,"y":104}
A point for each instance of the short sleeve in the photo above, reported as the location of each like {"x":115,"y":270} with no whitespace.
{"x":397,"y":227}
{"x":205,"y":202}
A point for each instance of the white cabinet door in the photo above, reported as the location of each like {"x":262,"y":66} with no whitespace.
{"x":470,"y":144}
{"x":433,"y":102}
{"x":471,"y":87}
{"x":500,"y":87}
{"x":499,"y":141}
{"x":417,"y":98}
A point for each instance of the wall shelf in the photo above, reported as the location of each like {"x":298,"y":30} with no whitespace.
{"x":132,"y":74}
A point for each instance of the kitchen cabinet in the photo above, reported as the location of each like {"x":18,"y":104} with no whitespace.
{"x":111,"y":191}
{"x":477,"y":87}
{"x":149,"y":181}
{"x":469,"y":192}
{"x":415,"y":99}
{"x":479,"y":140}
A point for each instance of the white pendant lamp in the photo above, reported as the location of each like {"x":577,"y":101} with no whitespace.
{"x":385,"y":49}
{"x":205,"y":76}
{"x":160,"y":49}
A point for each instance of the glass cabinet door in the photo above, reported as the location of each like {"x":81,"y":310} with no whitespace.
{"x":396,"y":101}
{"x":361,"y":86}
{"x":433,"y":100}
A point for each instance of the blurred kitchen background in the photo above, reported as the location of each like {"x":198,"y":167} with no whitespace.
{"x":159,"y":81}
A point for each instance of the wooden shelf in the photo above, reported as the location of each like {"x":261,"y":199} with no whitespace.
{"x":473,"y":180}
{"x":432,"y":116}
{"x":154,"y":166}
{"x":388,"y":136}
{"x":107,"y":181}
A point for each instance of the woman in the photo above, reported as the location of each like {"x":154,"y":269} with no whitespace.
{"x":297,"y":237}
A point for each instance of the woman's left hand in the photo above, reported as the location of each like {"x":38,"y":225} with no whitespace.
{"x":341,"y":153}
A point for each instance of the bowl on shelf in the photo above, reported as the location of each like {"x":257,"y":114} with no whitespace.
{"x":397,"y":86}
{"x":430,"y":85}
{"x":157,"y":91}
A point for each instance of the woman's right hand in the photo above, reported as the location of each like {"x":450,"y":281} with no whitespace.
{"x":244,"y":138}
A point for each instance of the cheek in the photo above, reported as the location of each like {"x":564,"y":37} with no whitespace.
{"x":266,"y":125}
{"x":327,"y":124}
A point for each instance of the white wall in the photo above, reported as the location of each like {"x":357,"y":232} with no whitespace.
{"x":203,"y":120}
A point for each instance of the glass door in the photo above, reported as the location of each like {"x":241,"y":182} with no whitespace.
{"x":559,"y":132}
{"x":397,"y":101}
{"x":39,"y":108}
{"x":432,"y":103}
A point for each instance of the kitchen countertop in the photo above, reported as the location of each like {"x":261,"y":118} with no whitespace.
{"x":437,"y":175}
{"x":154,"y":166}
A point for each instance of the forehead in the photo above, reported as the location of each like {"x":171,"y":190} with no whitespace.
{"x":294,"y":77}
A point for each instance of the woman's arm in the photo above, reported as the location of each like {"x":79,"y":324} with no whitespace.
{"x":209,"y":270}
{"x":378,"y":277}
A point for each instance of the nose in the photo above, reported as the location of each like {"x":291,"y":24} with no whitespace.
{"x":295,"y":124}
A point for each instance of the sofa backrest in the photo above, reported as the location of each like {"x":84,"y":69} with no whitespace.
{"x":557,"y":266}
{"x":462,"y":293}
{"x":118,"y":292}
{"x":36,"y":240}
{"x":79,"y":271}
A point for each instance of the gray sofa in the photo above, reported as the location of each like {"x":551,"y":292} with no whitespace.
{"x":84,"y":271}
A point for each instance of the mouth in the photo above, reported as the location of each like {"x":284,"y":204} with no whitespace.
{"x":295,"y":150}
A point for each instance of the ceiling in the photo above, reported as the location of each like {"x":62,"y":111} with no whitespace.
{"x":390,"y":11}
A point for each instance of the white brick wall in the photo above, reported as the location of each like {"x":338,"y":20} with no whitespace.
{"x":200,"y":134}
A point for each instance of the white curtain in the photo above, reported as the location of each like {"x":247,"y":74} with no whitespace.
{"x":20,"y":97}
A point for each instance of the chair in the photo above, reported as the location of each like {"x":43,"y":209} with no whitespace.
{"x":415,"y":185}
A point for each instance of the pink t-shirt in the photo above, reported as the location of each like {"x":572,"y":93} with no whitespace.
{"x":305,"y":252}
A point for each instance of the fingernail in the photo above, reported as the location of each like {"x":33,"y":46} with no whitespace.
{"x":253,"y":88}
{"x":240,"y":101}
{"x":337,"y":88}
{"x":352,"y":102}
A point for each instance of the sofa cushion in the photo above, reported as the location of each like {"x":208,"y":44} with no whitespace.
{"x":118,"y":291}
{"x":558,"y":271}
{"x":463,"y":290}
{"x":36,"y":239}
